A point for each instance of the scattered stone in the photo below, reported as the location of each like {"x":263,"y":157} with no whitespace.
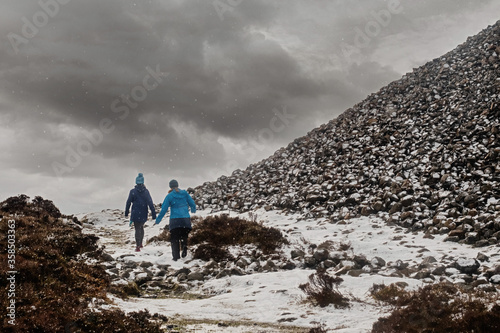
{"x":195,"y":276}
{"x":378,"y":262}
{"x":297,"y":254}
{"x":440,"y":270}
{"x":427,"y":261}
{"x":145,"y":264}
{"x":142,"y":278}
{"x":355,"y":272}
{"x":183,"y":270}
{"x":482,"y":257}
{"x":361,"y":261}
{"x":269,"y":266}
{"x":107,"y":257}
{"x":289,"y":266}
{"x":320,"y":255}
{"x":467,"y":266}
{"x":420,"y":275}
{"x":400,"y":265}
{"x":309,"y":261}
{"x":455,"y":239}
{"x":242,"y":263}
{"x":495,"y":279}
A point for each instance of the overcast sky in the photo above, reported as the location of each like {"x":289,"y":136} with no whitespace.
{"x":93,"y":92}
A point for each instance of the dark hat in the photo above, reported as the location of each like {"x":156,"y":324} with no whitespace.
{"x":173,"y":183}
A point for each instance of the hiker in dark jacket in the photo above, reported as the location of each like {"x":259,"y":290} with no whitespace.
{"x":180,"y":221}
{"x":140,"y":199}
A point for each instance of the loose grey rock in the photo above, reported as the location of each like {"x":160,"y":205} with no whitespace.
{"x":107,"y":257}
{"x":495,"y":279}
{"x":183,"y":270}
{"x":195,"y":276}
{"x":482,"y":257}
{"x":146,"y":264}
{"x":242,"y":263}
{"x":360,"y":260}
{"x":297,"y":254}
{"x":400,"y":265}
{"x":142,"y":278}
{"x":309,"y":261}
{"x":182,"y":277}
{"x":269,"y":266}
{"x":440,"y":270}
{"x":378,"y":262}
{"x":420,"y":275}
{"x":427,"y":261}
{"x":321,"y":255}
{"x":467,"y":266}
{"x":289,"y":266}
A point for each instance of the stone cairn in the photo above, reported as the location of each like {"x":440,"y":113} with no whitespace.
{"x":422,"y":153}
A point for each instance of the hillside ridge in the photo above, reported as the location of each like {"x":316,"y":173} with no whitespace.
{"x":422,"y":152}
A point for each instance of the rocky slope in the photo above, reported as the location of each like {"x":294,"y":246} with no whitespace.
{"x":422,"y":152}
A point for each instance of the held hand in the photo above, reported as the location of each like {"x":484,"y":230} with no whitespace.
{"x":130,"y":224}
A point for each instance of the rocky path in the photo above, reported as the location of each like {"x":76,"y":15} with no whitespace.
{"x":264,"y":290}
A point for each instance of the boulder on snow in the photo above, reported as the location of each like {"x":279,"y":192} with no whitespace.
{"x":467,"y":265}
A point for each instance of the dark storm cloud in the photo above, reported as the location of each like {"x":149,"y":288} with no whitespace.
{"x":222,"y":76}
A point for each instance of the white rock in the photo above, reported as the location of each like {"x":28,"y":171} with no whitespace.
{"x":452,"y":271}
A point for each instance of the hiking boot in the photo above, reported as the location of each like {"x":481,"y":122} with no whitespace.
{"x":184,"y":251}
{"x":137,"y":249}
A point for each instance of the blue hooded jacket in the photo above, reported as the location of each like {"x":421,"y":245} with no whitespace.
{"x":140,"y":199}
{"x":180,"y":202}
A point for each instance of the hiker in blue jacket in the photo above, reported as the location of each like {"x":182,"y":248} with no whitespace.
{"x":140,"y":199}
{"x":180,"y":221}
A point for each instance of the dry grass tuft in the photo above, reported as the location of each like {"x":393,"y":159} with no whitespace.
{"x":322,"y":290}
{"x":393,"y":294}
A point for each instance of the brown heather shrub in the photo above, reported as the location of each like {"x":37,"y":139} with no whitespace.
{"x":443,"y":308}
{"x":221,"y":231}
{"x":163,"y":236}
{"x":38,"y":207}
{"x":54,"y":284}
{"x":322,"y":290}
{"x":214,"y":234}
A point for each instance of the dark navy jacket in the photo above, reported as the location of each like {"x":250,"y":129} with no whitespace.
{"x":140,"y":199}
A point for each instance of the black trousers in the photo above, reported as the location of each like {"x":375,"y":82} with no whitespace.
{"x":139,"y":233}
{"x":178,"y":241}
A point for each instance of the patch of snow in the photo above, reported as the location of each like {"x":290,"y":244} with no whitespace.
{"x":275,"y":297}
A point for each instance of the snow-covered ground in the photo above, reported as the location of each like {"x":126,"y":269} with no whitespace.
{"x":275,"y":297}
